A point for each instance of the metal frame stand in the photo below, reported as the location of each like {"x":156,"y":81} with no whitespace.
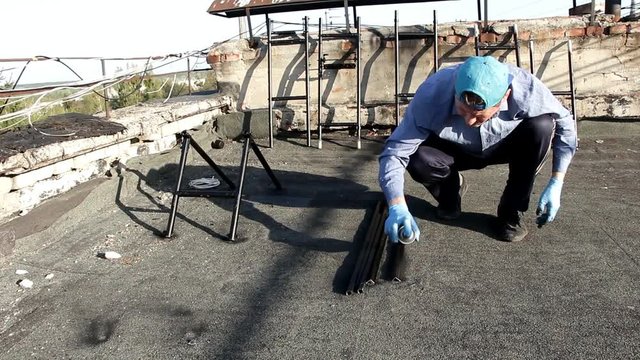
{"x":398,"y":36}
{"x":235,"y":190}
{"x":291,"y":41}
{"x":337,"y":65}
{"x":503,"y":46}
{"x":572,"y":90}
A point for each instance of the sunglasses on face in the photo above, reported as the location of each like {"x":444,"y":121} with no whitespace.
{"x":473,"y":101}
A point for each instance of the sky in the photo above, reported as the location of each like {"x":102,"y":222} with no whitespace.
{"x":141,"y":28}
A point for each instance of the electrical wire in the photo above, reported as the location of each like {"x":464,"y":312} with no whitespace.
{"x":204,"y":183}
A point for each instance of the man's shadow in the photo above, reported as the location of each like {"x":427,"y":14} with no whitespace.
{"x":422,"y":208}
{"x":301,"y":190}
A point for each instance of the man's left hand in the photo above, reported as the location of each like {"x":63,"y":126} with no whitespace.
{"x":549,"y":203}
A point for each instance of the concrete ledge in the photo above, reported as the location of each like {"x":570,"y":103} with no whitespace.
{"x":28,"y":178}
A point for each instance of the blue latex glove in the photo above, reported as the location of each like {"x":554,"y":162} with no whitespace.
{"x":549,"y":202}
{"x":399,"y":216}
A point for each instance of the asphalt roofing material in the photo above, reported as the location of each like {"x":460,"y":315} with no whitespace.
{"x":570,"y":290}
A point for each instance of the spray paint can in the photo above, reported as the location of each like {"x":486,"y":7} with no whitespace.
{"x":404,"y":239}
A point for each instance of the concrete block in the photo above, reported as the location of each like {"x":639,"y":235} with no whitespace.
{"x":14,"y":164}
{"x":109,"y":152}
{"x":6,"y":183}
{"x":31,"y":177}
{"x":62,"y":167}
{"x":10,"y":204}
{"x":44,"y":155}
{"x":230,"y":125}
{"x":188,"y":123}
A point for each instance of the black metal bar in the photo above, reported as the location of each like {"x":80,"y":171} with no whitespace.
{"x":405,"y":95}
{"x":516,"y":44}
{"x":359,"y":85}
{"x":477,"y":33}
{"x":381,"y":240}
{"x":572,"y":88}
{"x":496,"y":47}
{"x":415,"y":35}
{"x":320,"y":73}
{"x":436,"y":62}
{"x":189,"y":73}
{"x":396,"y":56}
{"x":364,"y":244}
{"x":206,"y":193}
{"x":263,"y":161}
{"x":397,"y":263}
{"x":562,"y":92}
{"x":372,"y":241}
{"x":206,"y":158}
{"x":176,"y":195}
{"x":336,"y":124}
{"x":339,"y":66}
{"x":531,"y":64}
{"x":269,"y":79}
{"x":345,"y":36}
{"x":307,"y":80}
{"x":290,"y":97}
{"x":236,"y":208}
{"x":281,"y":42}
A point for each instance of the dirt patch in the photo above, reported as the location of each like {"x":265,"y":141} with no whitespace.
{"x":77,"y":126}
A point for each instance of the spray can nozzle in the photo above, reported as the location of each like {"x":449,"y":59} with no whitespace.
{"x":406,"y":240}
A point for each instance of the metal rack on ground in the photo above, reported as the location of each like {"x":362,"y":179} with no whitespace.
{"x":572,"y":90}
{"x":413,"y":35}
{"x":287,"y":38}
{"x":339,"y":64}
{"x":234,"y":190}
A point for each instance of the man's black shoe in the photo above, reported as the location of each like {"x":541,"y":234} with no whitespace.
{"x":512,"y":230}
{"x":453,"y":212}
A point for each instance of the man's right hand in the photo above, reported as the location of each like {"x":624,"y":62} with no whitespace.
{"x":399,"y":216}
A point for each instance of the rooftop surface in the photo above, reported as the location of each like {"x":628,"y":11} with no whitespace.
{"x":570,"y":290}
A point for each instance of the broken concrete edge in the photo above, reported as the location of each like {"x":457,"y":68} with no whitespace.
{"x":29,"y":178}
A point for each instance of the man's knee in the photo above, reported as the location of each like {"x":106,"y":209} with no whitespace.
{"x":428,"y":164}
{"x":540,"y":127}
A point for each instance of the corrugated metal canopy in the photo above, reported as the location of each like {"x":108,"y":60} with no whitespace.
{"x":235,"y":8}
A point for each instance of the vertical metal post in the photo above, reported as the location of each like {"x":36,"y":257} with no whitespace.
{"x":516,"y":44}
{"x":107,"y":108}
{"x":249,"y":23}
{"x":243,"y":171}
{"x":189,"y":73}
{"x":479,"y":10}
{"x":571,"y":86}
{"x":358,"y":80}
{"x":269,"y":79}
{"x":320,"y":71}
{"x":531,"y":65}
{"x":486,"y":14}
{"x":186,"y":139}
{"x":593,"y":13}
{"x":436,"y":57}
{"x":396,"y":57}
{"x":346,"y":15}
{"x":306,"y":78}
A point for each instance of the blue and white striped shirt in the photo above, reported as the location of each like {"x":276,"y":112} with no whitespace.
{"x":432,"y":113}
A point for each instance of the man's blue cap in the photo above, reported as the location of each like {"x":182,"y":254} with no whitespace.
{"x":484,"y":76}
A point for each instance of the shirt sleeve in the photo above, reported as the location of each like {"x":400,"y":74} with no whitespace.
{"x":539,"y":100}
{"x":402,"y":143}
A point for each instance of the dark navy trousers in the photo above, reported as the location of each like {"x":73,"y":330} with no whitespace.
{"x":437,"y":162}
